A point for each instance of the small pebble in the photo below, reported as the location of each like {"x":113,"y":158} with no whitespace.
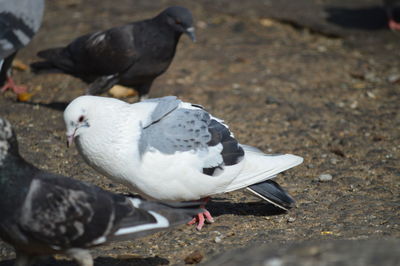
{"x":235,"y":86}
{"x":370,"y":76}
{"x":394,"y":78}
{"x":273,"y":262}
{"x":194,"y":258}
{"x":325,"y":177}
{"x":354,"y":105}
{"x":291,"y":219}
{"x":272,"y":100}
{"x":217,"y":239}
{"x":371,"y":95}
{"x":201,"y":24}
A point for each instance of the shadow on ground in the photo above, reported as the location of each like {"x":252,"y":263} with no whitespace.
{"x":369,"y":18}
{"x":100,"y":261}
{"x":219,"y":207}
{"x":58,"y":106}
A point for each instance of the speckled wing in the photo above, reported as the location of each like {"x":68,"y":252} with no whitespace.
{"x":19,"y":21}
{"x":192,"y":129}
{"x":63,"y":213}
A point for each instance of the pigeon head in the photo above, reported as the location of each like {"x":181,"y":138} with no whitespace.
{"x":180,"y":19}
{"x":8,"y":142}
{"x":77,"y":117}
{"x":87,"y":112}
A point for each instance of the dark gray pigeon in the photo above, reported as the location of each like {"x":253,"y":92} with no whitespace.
{"x":44,"y":213}
{"x":19,"y":21}
{"x":132,"y":55}
{"x":389,"y":7}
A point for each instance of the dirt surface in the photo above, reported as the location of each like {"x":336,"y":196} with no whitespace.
{"x":282,"y":84}
{"x":366,"y":252}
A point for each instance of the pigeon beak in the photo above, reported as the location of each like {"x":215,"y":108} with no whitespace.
{"x":190,"y":32}
{"x":70,"y":140}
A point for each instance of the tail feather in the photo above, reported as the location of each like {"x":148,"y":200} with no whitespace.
{"x":44,"y":67}
{"x":273,"y":193}
{"x":259,"y":167}
{"x":51,"y":54}
{"x":159,"y":216}
{"x":57,"y":60}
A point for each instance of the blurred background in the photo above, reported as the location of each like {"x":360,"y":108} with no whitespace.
{"x":317,"y":78}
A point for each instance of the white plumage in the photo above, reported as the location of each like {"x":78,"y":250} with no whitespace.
{"x":166,"y":149}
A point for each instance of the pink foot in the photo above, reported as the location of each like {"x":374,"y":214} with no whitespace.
{"x":10,"y":84}
{"x":393,"y":25}
{"x":201,"y":218}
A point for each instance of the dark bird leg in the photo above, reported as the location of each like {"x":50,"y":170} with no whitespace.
{"x":81,"y":256}
{"x":5,"y":76}
{"x":202,"y":217}
{"x":102,"y":84}
{"x":143,"y":90}
{"x":23,"y":259}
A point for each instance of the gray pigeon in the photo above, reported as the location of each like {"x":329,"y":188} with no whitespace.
{"x":19,"y":21}
{"x":44,"y":213}
{"x":132,"y":55}
{"x":389,"y":6}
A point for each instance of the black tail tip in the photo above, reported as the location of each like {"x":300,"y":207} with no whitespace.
{"x":273,"y":193}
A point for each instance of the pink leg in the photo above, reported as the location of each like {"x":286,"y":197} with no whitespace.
{"x":393,"y":25}
{"x":202,"y":217}
{"x":10,"y":84}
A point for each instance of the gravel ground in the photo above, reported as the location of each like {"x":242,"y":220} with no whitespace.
{"x":331,"y":96}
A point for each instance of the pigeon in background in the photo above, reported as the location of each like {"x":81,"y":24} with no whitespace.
{"x":132,"y":55}
{"x":389,"y":6}
{"x":169,"y":150}
{"x":44,"y":213}
{"x":19,"y":21}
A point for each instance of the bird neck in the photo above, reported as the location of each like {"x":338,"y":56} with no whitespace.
{"x":15,"y":179}
{"x":14,"y":169}
{"x":161,"y":24}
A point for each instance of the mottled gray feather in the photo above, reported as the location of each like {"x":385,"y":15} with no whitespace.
{"x":19,"y":21}
{"x":180,"y":130}
{"x":30,"y":11}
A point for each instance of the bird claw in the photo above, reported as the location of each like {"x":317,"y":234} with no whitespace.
{"x":10,"y":84}
{"x":201,"y":218}
{"x":393,"y":25}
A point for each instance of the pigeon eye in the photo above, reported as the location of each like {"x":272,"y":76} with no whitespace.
{"x":81,"y":118}
{"x":178,"y":22}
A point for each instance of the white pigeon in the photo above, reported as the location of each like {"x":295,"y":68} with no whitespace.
{"x":170,"y":150}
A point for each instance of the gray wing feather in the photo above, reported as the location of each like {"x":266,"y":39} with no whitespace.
{"x":175,"y":129}
{"x":165,"y":105}
{"x":181,"y":130}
